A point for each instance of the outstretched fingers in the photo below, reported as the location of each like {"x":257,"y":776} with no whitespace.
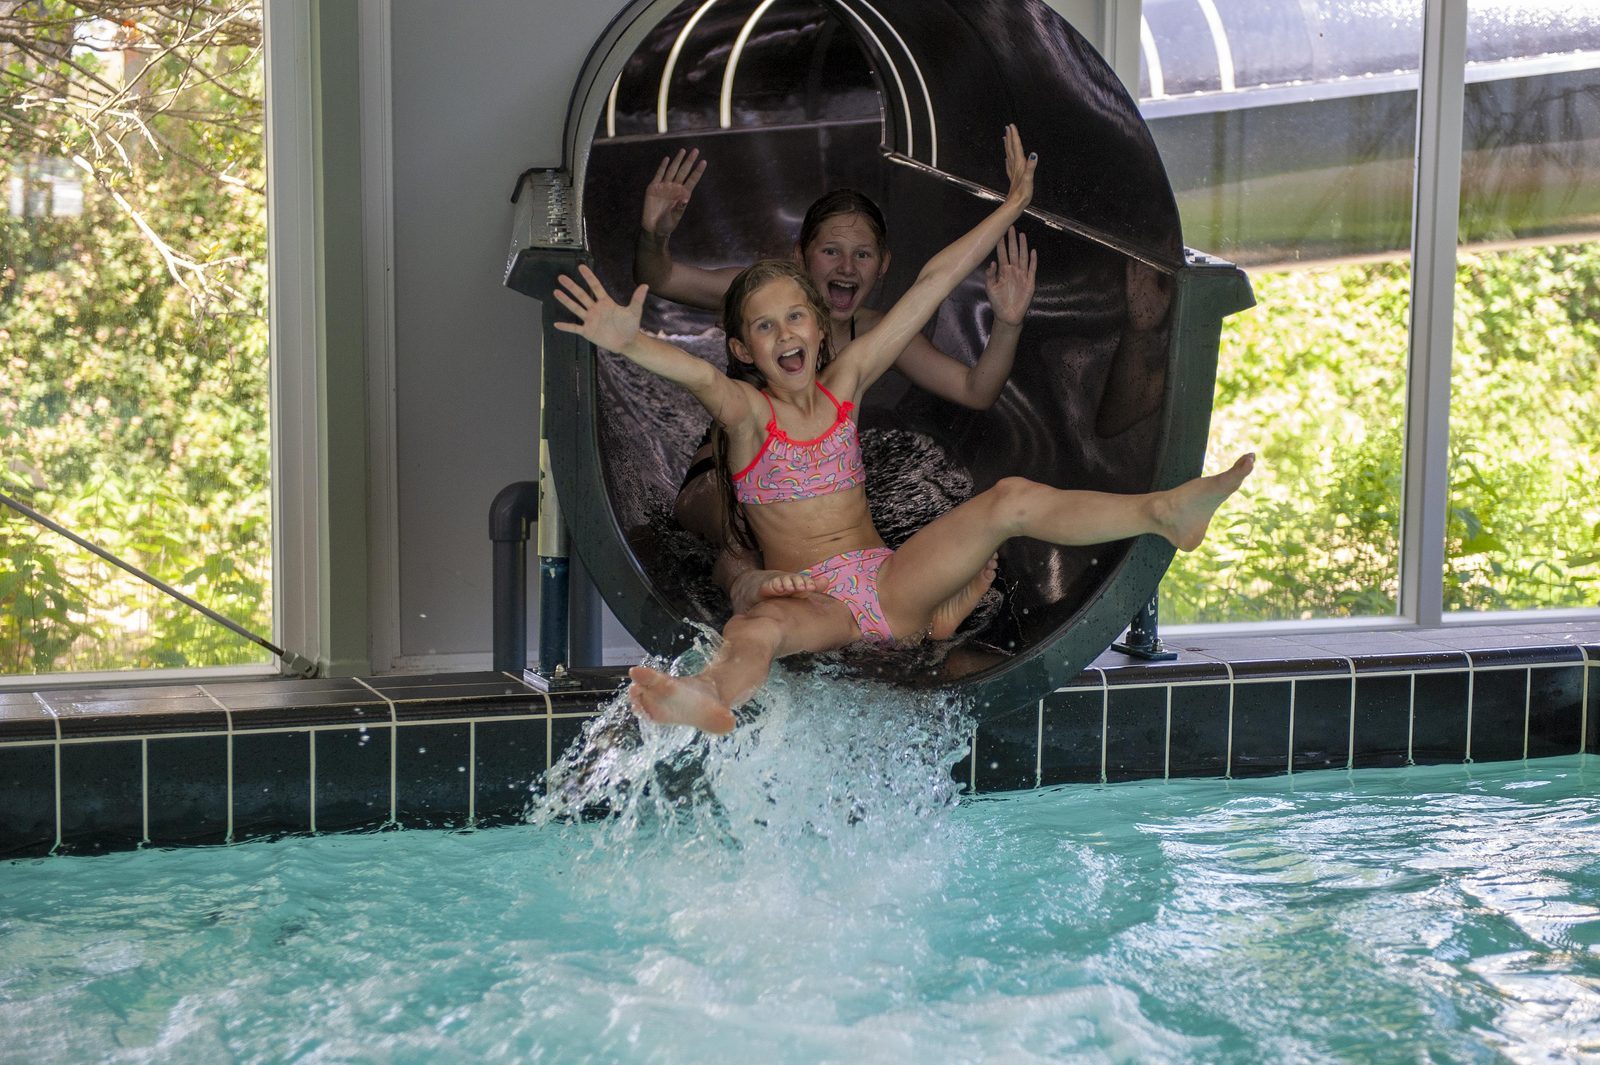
{"x":1019,"y":167}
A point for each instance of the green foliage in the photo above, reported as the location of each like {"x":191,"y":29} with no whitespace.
{"x":133,"y":347}
{"x":1313,"y":380}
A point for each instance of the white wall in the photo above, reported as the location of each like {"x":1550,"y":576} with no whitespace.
{"x":480,"y":93}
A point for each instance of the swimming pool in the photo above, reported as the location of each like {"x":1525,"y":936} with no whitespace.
{"x":811,"y":889}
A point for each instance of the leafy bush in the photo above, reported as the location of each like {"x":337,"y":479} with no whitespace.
{"x":1313,"y":380}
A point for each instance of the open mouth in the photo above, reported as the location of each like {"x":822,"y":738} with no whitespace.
{"x":792,"y":361}
{"x":842,"y":294}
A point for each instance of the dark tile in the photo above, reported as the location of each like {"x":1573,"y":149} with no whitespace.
{"x":1070,"y":749}
{"x":1121,"y":669}
{"x":1383,"y":719}
{"x":1495,"y":639}
{"x":276,"y":710}
{"x":1136,"y":733}
{"x":1379,"y":650}
{"x":1271,"y":656}
{"x":1555,"y":711}
{"x":27,"y":800}
{"x":1531,"y":653}
{"x":1499,"y":714}
{"x":271,"y":783}
{"x":582,"y":702}
{"x":352,"y":778}
{"x":57,"y":697}
{"x":1591,"y":674}
{"x":154,"y":713}
{"x":963,"y":771}
{"x":187,"y":790}
{"x":1409,"y":662}
{"x":22,"y":717}
{"x":472,"y":707}
{"x":102,"y":796}
{"x":511,"y":757}
{"x":1260,"y":744}
{"x":431,"y":780}
{"x":284,"y":691}
{"x":1006,"y":751}
{"x":599,"y":683}
{"x":1439,"y":718}
{"x":1322,"y":723}
{"x":395,"y":682}
{"x":564,"y":732}
{"x":1199,"y":743}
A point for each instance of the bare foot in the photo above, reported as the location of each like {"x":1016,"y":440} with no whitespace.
{"x":953,"y":611}
{"x":670,"y":700}
{"x":752,"y":586}
{"x":1183,"y":513}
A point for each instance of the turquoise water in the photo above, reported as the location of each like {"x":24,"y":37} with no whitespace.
{"x":811,"y":890}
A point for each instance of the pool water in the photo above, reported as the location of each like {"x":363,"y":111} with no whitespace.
{"x":812,"y":889}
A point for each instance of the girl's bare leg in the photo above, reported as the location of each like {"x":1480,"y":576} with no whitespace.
{"x":750,"y":642}
{"x":943,"y":556}
{"x":948,"y":615}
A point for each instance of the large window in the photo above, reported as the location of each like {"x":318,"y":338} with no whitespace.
{"x":1524,"y":518}
{"x":1290,"y":134}
{"x":133,"y":336}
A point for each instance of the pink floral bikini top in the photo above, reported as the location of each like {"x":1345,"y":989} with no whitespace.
{"x":786,"y":469}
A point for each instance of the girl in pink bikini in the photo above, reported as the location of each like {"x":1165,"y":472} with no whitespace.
{"x":794,"y":465}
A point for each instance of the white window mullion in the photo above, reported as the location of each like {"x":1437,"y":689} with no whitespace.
{"x":292,"y":272}
{"x":377,"y":175}
{"x":1435,"y":213}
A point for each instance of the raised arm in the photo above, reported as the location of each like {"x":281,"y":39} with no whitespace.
{"x":665,"y":199}
{"x":1010,"y":283}
{"x":869,"y":356}
{"x":615,"y":327}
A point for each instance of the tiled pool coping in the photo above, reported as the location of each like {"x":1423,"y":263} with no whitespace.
{"x":87,"y":770}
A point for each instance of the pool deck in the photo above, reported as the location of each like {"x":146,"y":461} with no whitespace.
{"x":86,"y":770}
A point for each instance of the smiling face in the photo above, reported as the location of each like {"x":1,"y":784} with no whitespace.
{"x":779,"y":334}
{"x":845,"y":258}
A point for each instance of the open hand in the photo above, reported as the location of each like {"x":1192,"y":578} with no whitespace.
{"x":1019,"y":168}
{"x":601,"y":320}
{"x":667,"y":195}
{"x":1010,"y":278}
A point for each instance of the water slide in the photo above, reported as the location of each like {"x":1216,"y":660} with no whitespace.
{"x":904,"y":100}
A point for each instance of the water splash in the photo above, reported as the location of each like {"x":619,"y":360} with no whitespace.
{"x":816,"y":756}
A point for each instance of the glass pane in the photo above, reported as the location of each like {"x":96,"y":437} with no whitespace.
{"x":1288,"y":131}
{"x":133,"y":340}
{"x":1524,"y":519}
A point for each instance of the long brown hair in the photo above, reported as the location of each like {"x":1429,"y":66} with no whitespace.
{"x":841,"y":202}
{"x":745,"y":285}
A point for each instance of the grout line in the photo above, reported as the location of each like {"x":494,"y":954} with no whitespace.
{"x":1294,"y":690}
{"x":1527,"y":713}
{"x":394,"y":746}
{"x":1411,"y":723}
{"x":1350,"y":740}
{"x":311,"y":774}
{"x":1583,"y":702}
{"x":1472,"y":688}
{"x":128,"y":737}
{"x":1227,"y":764}
{"x":144,"y":791}
{"x":1038,"y":744}
{"x":228,"y":716}
{"x":1166,"y":743}
{"x":1105,"y":719}
{"x":56,"y":751}
{"x":972,"y":763}
{"x":472,"y":772}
